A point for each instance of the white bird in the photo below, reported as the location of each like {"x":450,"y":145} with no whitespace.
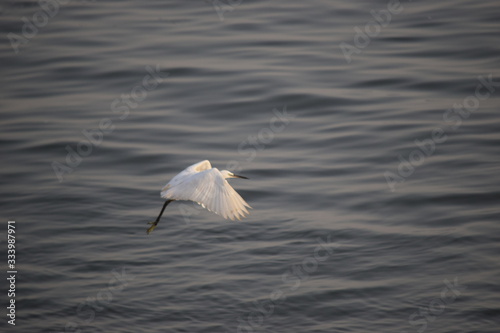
{"x":208,"y":187}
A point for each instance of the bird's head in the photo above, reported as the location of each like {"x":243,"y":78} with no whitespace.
{"x":228,"y":174}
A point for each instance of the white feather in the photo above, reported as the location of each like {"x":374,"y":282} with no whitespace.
{"x":208,"y":187}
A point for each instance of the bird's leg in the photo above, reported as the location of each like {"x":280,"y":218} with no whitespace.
{"x":155,"y":223}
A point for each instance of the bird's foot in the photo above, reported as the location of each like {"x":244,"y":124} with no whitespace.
{"x":152,"y":227}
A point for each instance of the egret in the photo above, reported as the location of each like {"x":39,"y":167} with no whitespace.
{"x":207,"y":187}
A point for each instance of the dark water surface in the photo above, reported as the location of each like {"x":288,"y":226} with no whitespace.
{"x":373,"y":160}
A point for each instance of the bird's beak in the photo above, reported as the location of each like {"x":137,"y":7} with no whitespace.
{"x":236,"y":176}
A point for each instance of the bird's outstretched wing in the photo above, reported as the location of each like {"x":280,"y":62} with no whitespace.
{"x":209,"y":189}
{"x":186,"y":173}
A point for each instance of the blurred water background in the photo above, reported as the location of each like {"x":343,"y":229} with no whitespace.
{"x":369,"y":131}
